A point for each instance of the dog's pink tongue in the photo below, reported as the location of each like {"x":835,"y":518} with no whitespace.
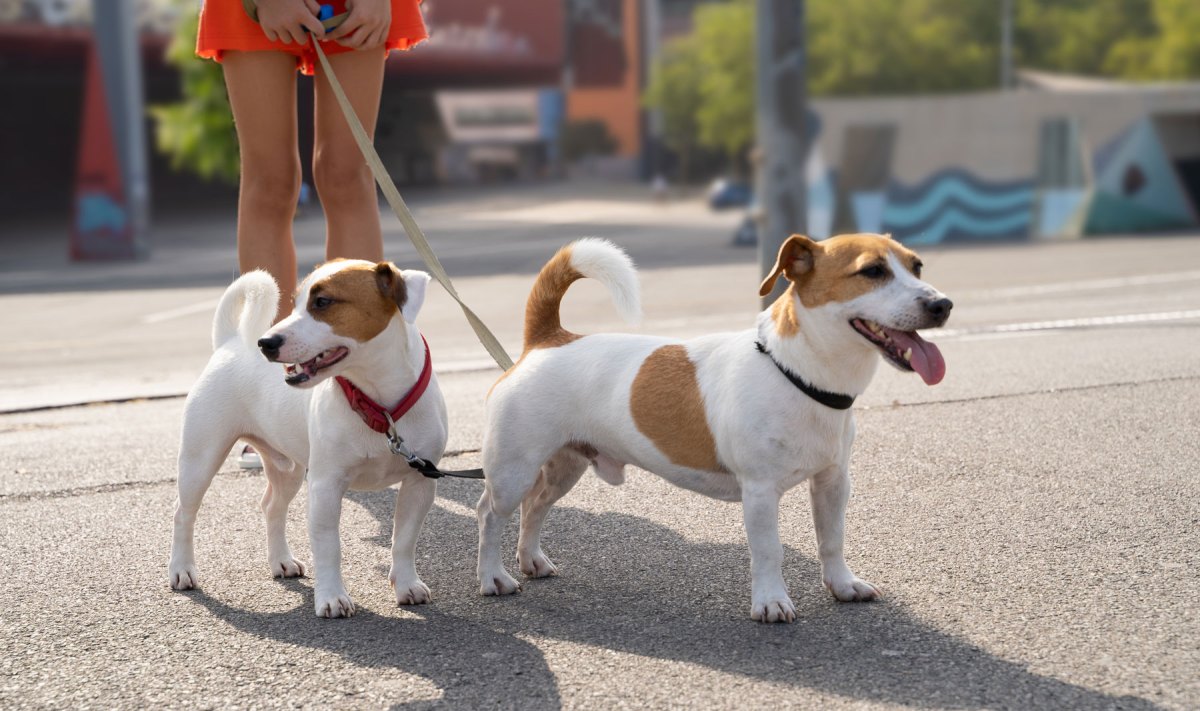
{"x":926,"y":358}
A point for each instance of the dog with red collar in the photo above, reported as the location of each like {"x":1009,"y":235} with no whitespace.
{"x":356,"y":406}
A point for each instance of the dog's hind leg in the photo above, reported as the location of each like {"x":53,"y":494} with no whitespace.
{"x":558,"y":475}
{"x":413,"y":502}
{"x":511,"y":473}
{"x":284,"y":479}
{"x":202,"y":449}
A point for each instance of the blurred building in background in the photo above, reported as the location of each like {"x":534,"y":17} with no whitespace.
{"x":1059,"y":157}
{"x":530,"y":89}
{"x":502,"y":90}
{"x":483,"y":99}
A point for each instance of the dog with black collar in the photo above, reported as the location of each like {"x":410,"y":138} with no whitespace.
{"x":355,"y":404}
{"x":735,"y":416}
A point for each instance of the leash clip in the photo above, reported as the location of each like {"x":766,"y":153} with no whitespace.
{"x":396,"y":442}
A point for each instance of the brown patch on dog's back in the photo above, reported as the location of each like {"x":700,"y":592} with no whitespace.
{"x":361,"y":309}
{"x":668,"y":409}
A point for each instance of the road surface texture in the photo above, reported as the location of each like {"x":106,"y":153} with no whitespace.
{"x":1034,"y":520}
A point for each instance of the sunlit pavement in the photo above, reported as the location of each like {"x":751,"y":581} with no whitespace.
{"x":1033,"y":519}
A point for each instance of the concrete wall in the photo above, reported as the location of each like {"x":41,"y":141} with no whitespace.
{"x":971,"y":167}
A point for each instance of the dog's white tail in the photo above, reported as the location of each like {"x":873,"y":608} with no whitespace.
{"x":247,"y":309}
{"x":592,"y":258}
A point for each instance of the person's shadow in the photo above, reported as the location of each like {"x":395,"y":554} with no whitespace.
{"x":633,"y":586}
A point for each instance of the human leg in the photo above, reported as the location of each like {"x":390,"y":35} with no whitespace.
{"x":262,"y":94}
{"x":343,"y":180}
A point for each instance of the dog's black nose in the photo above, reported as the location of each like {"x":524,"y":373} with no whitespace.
{"x":270,"y":346}
{"x":939,"y":309}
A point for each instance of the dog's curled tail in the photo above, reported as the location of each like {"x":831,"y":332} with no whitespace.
{"x":247,"y":308}
{"x":590,"y":258}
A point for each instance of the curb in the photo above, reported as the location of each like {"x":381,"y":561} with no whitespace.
{"x":453,"y":368}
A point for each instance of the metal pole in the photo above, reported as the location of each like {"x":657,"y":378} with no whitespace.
{"x":120,"y":55}
{"x":782,"y":96}
{"x":652,"y":47}
{"x":1006,"y":65}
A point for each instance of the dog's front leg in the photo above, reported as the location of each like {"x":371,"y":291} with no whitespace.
{"x":769,"y":601}
{"x":830,"y":490}
{"x":324,"y":516}
{"x":413,"y":502}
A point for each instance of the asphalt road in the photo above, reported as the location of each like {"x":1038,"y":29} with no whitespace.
{"x":1034,"y":520}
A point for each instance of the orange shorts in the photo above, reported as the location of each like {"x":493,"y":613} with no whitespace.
{"x":224,"y":25}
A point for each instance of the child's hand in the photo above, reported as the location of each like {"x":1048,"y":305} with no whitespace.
{"x":286,"y":20}
{"x":366,"y":26}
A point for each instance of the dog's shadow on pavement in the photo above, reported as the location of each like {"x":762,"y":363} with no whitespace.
{"x":633,"y":586}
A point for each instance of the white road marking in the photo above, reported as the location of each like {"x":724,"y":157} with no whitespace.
{"x":607,"y":212}
{"x":160,"y":316}
{"x":1086,"y":322}
{"x":974,"y":333}
{"x":1087,"y":285}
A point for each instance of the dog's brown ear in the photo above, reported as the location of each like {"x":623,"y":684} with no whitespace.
{"x":391,"y":283}
{"x":795,"y":260}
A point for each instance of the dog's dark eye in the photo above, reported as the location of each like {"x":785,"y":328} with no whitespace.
{"x":322,"y":302}
{"x":917,"y":269}
{"x":875,"y":271}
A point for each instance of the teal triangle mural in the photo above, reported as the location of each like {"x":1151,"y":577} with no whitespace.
{"x":1139,"y":175}
{"x":1112,"y":214}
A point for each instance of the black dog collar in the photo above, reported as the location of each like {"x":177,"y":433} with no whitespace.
{"x":826,"y":398}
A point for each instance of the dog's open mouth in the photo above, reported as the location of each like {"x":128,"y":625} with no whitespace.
{"x":905,"y":349}
{"x":297,"y":373}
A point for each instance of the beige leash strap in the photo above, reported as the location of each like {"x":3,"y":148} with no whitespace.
{"x":415,"y":235}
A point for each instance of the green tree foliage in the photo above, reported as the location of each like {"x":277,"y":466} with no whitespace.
{"x":724,"y":39}
{"x":586,"y":138}
{"x":1170,"y":49}
{"x":1076,"y":36}
{"x":197,"y":132}
{"x":870,"y":47}
{"x":704,"y":83}
{"x":674,"y":89}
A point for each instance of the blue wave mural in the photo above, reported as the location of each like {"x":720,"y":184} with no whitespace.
{"x":954,"y":205}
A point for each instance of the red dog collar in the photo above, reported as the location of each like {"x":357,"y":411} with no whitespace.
{"x":372,"y":412}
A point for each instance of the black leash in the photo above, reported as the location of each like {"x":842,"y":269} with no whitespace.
{"x":428,"y":469}
{"x":836,"y":401}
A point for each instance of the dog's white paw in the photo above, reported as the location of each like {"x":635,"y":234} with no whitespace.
{"x":410,"y":592}
{"x":183,"y":576}
{"x":852,"y":589}
{"x":335,"y":605}
{"x":538,"y":565}
{"x":775,"y":609}
{"x":500,"y":583}
{"x":288,"y":568}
